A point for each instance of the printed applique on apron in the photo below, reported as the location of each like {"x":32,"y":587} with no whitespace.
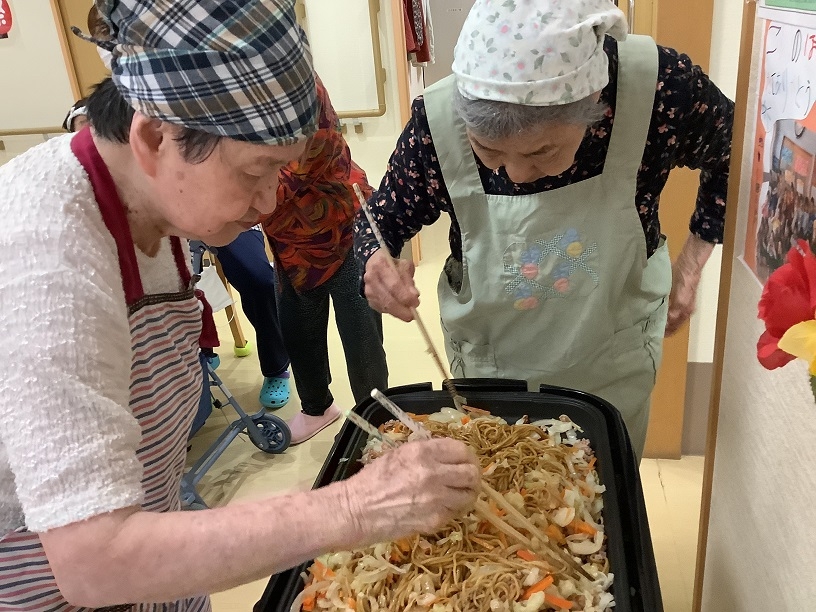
{"x":165,"y":387}
{"x":559,"y":267}
{"x":556,"y":286}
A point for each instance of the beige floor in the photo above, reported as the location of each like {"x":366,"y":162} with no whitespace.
{"x":672,"y":488}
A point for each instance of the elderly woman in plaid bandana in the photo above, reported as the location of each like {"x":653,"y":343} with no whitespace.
{"x":208,"y":100}
{"x":548,"y":148}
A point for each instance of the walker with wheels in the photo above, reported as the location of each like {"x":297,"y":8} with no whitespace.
{"x":266,"y":431}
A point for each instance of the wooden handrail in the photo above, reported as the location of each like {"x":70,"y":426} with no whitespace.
{"x":379,"y":70}
{"x":32,"y":131}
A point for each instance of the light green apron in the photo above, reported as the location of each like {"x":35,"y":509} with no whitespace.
{"x":556,"y":286}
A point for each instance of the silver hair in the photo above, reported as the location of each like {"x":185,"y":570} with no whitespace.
{"x":495,"y":120}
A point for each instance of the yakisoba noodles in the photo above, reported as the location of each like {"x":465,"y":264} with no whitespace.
{"x":546,"y":472}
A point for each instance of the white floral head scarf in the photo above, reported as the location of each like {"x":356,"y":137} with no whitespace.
{"x":536,"y":52}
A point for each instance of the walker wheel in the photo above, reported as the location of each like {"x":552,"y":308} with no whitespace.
{"x":243,"y":351}
{"x":275,"y":433}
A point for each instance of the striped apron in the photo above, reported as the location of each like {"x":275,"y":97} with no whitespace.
{"x":165,"y":387}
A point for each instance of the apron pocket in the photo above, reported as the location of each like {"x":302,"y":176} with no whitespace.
{"x":632,"y":356}
{"x":472,"y":360}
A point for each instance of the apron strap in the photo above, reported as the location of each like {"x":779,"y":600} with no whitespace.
{"x":454,"y":153}
{"x":115,"y":218}
{"x":634,"y":106}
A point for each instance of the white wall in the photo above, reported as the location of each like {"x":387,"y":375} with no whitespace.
{"x":35,"y":88}
{"x":371,"y":148}
{"x":760,"y":552}
{"x":725,"y":43}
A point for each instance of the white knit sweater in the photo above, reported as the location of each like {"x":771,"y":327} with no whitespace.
{"x":67,"y":437}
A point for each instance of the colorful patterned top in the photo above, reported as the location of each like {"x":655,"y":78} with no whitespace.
{"x":310,"y":231}
{"x":690,"y":126}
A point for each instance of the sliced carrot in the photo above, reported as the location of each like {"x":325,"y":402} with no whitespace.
{"x":496,"y":510}
{"x":351,"y":603}
{"x":580,"y":526}
{"x":465,"y":420}
{"x":526,"y":555}
{"x":308,"y":603}
{"x":538,"y":587}
{"x":554,"y":533}
{"x":592,"y":462}
{"x":523,"y":492}
{"x":404,"y":545}
{"x":475,"y":410}
{"x":558,"y":602}
{"x":487,"y":469}
{"x":320,"y":572}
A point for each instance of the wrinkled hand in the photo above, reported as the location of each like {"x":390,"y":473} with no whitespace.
{"x":417,"y":488}
{"x":388,"y":290}
{"x":683,"y":298}
{"x":686,"y":273}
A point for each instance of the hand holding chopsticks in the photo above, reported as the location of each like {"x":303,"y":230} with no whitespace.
{"x":458,"y":400}
{"x":482,"y":509}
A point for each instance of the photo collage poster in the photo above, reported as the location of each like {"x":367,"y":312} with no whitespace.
{"x":782,"y":204}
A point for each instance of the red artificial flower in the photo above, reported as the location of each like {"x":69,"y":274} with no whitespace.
{"x":789,"y":298}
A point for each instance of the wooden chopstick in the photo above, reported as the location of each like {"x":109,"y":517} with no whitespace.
{"x":400,"y":414}
{"x":458,"y":400}
{"x":481,"y":507}
{"x":528,"y":525}
{"x":484,"y":511}
{"x":370,"y":429}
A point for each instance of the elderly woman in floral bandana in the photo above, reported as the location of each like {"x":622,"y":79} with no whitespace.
{"x":548,"y":148}
{"x":208,"y":101}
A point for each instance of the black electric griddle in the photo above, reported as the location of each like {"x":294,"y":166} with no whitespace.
{"x":629,"y":545}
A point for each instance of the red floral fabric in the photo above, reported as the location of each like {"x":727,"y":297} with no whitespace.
{"x":789,"y":298}
{"x":310,"y":231}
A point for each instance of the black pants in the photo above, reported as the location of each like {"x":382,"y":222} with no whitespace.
{"x":247,"y":268}
{"x":304,"y":321}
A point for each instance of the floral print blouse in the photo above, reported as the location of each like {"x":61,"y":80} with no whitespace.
{"x":690,"y":127}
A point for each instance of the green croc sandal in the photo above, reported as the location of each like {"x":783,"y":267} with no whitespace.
{"x":275,"y":391}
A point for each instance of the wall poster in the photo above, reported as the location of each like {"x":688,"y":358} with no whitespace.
{"x":782,"y":205}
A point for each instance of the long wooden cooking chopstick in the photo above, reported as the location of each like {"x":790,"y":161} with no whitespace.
{"x":458,"y":400}
{"x":491,"y":493}
{"x":530,"y":527}
{"x":484,"y":511}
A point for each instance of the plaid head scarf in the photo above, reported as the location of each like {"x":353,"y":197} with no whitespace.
{"x":235,"y":68}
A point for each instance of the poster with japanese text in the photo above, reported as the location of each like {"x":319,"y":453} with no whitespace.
{"x":782,"y":205}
